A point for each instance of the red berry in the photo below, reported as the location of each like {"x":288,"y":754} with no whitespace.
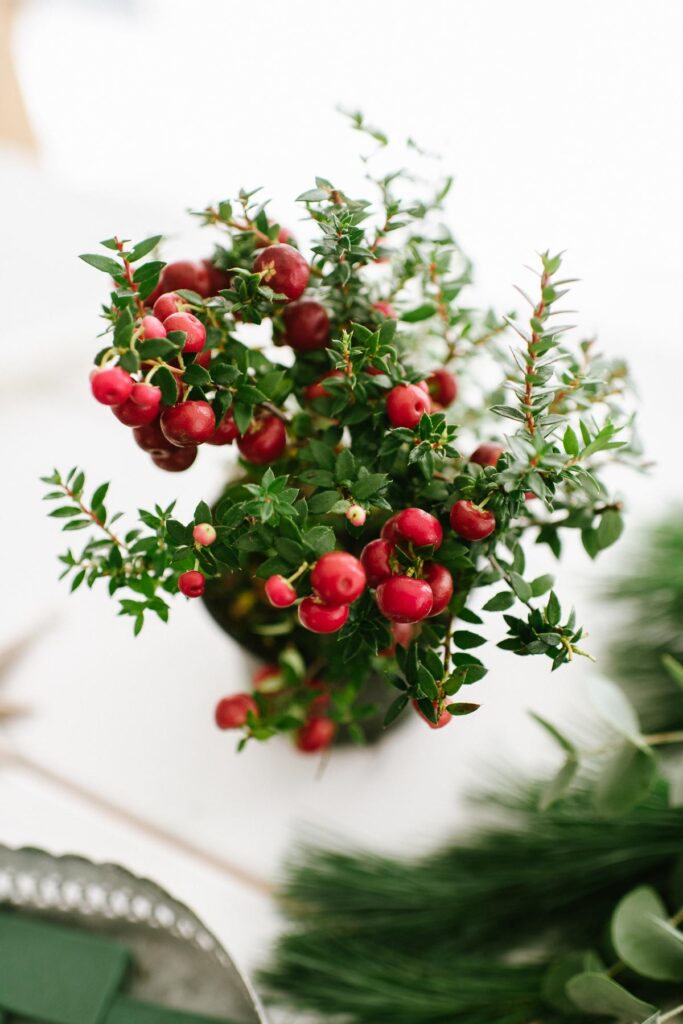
{"x":390,"y":531}
{"x":185,"y":274}
{"x":264,"y":441}
{"x":280,"y":592}
{"x":307,"y":326}
{"x":166,"y":305}
{"x":191,"y":583}
{"x":204,"y":534}
{"x":356,"y":515}
{"x":443,"y":387}
{"x":112,"y":386}
{"x":218,"y":279}
{"x":322,"y":618}
{"x":133,"y":415}
{"x":441,"y":582}
{"x":146,"y":395}
{"x":404,"y":599}
{"x":188,"y":423}
{"x":403,"y":632}
{"x":267,"y":679}
{"x":419,"y":527}
{"x":285,"y":235}
{"x":487,"y":454}
{"x":194,"y":328}
{"x":315,"y":735}
{"x":233,"y":712}
{"x":444,"y":718}
{"x":375,"y":560}
{"x":283,"y":269}
{"x":176,"y":460}
{"x":472,"y":522}
{"x":226,"y":431}
{"x":406,"y":405}
{"x":150,"y":438}
{"x":152,"y":327}
{"x":385,"y":308}
{"x":338,"y":578}
{"x":317,"y":390}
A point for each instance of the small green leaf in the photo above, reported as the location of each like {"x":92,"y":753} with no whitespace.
{"x":500,"y":602}
{"x":465,"y":639}
{"x":462,"y":708}
{"x":610,"y":528}
{"x":570,"y":442}
{"x":596,"y":993}
{"x":520,"y":586}
{"x":395,"y":709}
{"x":556,"y":788}
{"x":103,"y":263}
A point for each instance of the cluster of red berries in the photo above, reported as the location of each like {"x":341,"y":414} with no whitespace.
{"x":171,"y":435}
{"x":338,"y":579}
{"x":407,"y":595}
{"x":315,"y":734}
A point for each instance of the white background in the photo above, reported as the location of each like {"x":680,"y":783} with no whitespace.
{"x":562,"y":123}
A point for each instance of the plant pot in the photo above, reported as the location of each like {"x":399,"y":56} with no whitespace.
{"x":237,"y":602}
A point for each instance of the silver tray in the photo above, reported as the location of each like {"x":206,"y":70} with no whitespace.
{"x":178,"y":962}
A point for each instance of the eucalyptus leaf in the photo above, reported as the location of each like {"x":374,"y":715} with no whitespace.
{"x":597,"y":994}
{"x":643,"y":937}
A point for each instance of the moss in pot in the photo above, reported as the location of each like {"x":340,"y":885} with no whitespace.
{"x":396,"y":458}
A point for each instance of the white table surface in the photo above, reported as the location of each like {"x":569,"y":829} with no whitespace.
{"x":131,"y":720}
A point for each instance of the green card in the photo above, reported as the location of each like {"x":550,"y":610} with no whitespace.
{"x":130,"y":1011}
{"x":57,"y":975}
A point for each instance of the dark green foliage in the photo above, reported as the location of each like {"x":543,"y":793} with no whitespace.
{"x":430,"y":940}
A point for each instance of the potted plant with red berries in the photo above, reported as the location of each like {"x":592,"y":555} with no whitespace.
{"x":381,"y":507}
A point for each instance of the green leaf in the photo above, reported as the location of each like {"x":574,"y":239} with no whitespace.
{"x":552,"y":730}
{"x":155,"y":348}
{"x":596,"y":993}
{"x":553,"y":611}
{"x":320,"y":539}
{"x":427,"y":683}
{"x":556,"y":788}
{"x":625,"y":780}
{"x":103,"y":263}
{"x":142,"y":248}
{"x":520,"y":586}
{"x":345,"y":466}
{"x":643,"y":937}
{"x":610,"y":528}
{"x":464,"y":639}
{"x":99,"y":495}
{"x":395,"y":709}
{"x":164,"y":379}
{"x":589,"y":539}
{"x":674,"y":668}
{"x":313,"y":195}
{"x":570,"y":442}
{"x":462,"y":708}
{"x":321,"y":503}
{"x":554,"y":984}
{"x":614,"y":708}
{"x":369,"y":485}
{"x":541,"y":585}
{"x":423,"y":312}
{"x":500,"y":602}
